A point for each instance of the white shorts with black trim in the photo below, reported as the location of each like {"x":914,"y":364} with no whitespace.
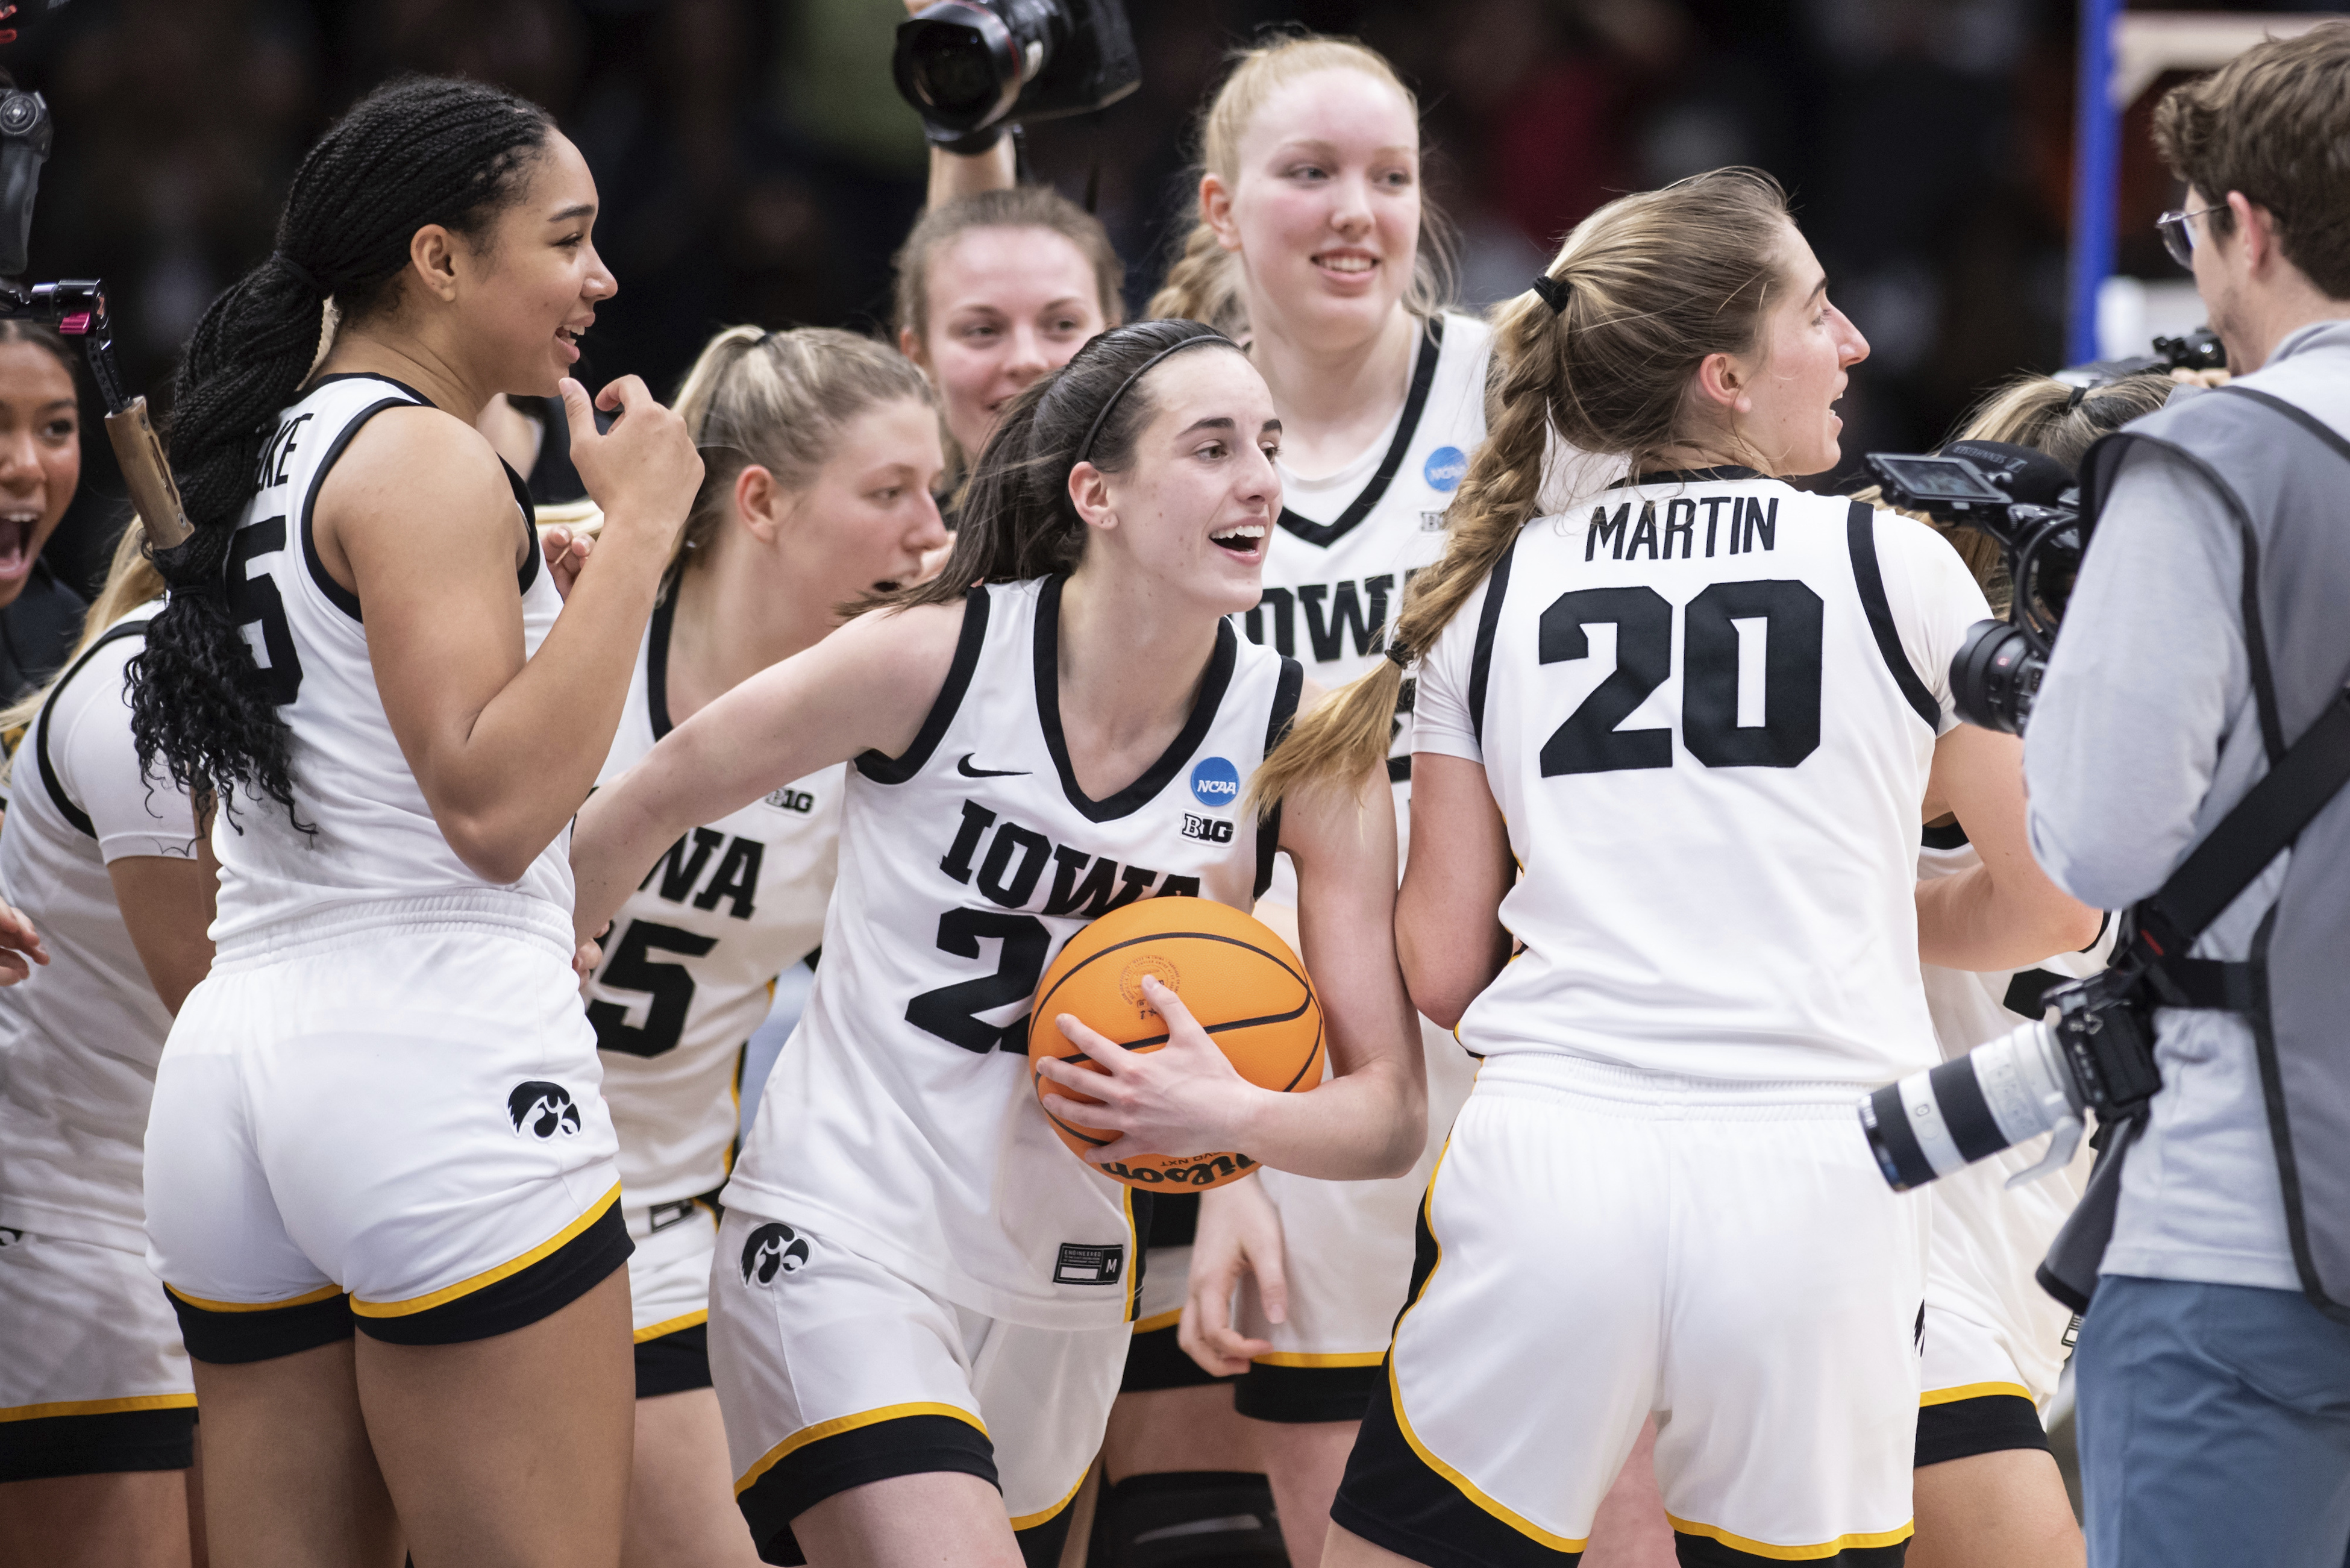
{"x":1347,"y":1246}
{"x":669,"y":1294}
{"x":388,"y":1119}
{"x":1994,"y":1339}
{"x":1599,"y":1245}
{"x":92,"y":1377}
{"x":833,"y":1373}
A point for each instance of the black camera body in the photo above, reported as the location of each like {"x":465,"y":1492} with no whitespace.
{"x":25,"y":136}
{"x":2030,"y":503}
{"x":971,"y":67}
{"x":2104,"y":1026}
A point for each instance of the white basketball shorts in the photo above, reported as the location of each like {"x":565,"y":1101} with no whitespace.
{"x":389,"y":1118}
{"x":833,"y":1373}
{"x":669,"y":1294}
{"x":1599,"y":1245}
{"x":92,"y":1377}
{"x":1994,"y":1339}
{"x":1347,"y":1246}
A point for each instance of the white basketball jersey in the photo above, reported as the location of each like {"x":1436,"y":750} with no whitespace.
{"x":375,"y":839}
{"x":80,"y":1038}
{"x":1707,"y":706}
{"x":1335,"y":567}
{"x":899,"y":1121}
{"x":692,"y":957}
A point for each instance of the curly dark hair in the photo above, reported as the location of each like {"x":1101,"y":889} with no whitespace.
{"x":415,"y":151}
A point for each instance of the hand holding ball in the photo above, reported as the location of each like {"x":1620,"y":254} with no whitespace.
{"x":1210,"y":967}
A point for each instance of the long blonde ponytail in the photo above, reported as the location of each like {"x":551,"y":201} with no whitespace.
{"x":1648,"y":285}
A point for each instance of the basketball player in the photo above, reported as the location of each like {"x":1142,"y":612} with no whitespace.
{"x":921,"y":1304}
{"x":1988,"y":1494}
{"x":379,"y":1110}
{"x":97,"y":1406}
{"x":1701,"y":709}
{"x":1312,"y":231}
{"x":820,"y":449}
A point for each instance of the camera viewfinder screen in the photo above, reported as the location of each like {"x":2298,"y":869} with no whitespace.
{"x":1940,"y":477}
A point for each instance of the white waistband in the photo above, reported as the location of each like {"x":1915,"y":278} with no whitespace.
{"x":1630,"y":1091}
{"x":332,"y":926}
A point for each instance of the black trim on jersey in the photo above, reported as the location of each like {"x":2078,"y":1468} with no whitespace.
{"x":1415,"y":402}
{"x":312,"y":386}
{"x":527,"y":572}
{"x":233,"y":1338}
{"x":901,"y":1446}
{"x":1297,"y":1395}
{"x":1155,"y":777}
{"x":522,"y":1298}
{"x":674,"y":1362}
{"x":1987,"y":1424}
{"x":1948,"y":835}
{"x":657,"y":665}
{"x":342,"y":597}
{"x":898,"y":770}
{"x":49,"y":781}
{"x":1174,"y":1218}
{"x":106,"y":1444}
{"x":1480,"y":662}
{"x":1154,"y":1360}
{"x":1729,"y":472}
{"x":1277,"y":729}
{"x":1860,"y":534}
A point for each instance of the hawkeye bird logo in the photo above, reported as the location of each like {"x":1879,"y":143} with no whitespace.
{"x":542,"y":1109}
{"x":774,"y":1248}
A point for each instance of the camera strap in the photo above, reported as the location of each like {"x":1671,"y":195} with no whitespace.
{"x":2259,"y":828}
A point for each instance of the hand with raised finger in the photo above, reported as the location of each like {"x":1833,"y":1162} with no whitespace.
{"x":20,"y":946}
{"x":1239,"y":1234}
{"x":643,"y":471}
{"x":1184,"y":1097}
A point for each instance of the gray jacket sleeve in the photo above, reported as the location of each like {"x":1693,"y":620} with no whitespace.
{"x":2148,"y":678}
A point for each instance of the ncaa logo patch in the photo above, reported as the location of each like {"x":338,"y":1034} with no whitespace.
{"x":542,"y":1109}
{"x":1216,"y":783}
{"x":773,"y":1249}
{"x":1445,"y":468}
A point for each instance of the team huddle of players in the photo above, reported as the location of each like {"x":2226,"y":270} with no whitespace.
{"x":1244,"y":601}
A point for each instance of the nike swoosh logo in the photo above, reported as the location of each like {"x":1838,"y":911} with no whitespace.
{"x":963,"y":767}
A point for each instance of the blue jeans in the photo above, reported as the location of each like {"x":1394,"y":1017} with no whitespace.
{"x":2214,"y":1428}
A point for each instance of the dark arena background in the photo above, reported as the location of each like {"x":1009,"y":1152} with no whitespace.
{"x":755,"y":165}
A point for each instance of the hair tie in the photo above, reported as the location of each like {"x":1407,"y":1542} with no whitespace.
{"x":1554,"y":291}
{"x":301,"y":275}
{"x":2079,"y":392}
{"x":1399,"y":655}
{"x":1086,"y":447}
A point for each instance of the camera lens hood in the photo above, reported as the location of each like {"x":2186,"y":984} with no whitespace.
{"x":959,"y":65}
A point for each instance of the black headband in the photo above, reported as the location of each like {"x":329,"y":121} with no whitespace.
{"x":2080,"y":390}
{"x":300,"y":273}
{"x":1554,"y":291}
{"x":1086,"y":447}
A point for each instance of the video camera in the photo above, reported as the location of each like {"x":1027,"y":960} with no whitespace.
{"x":2198,"y":350}
{"x":2030,"y":503}
{"x":77,"y":309}
{"x":971,"y":67}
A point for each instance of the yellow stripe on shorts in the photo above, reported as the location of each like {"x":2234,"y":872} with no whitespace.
{"x":321,"y":1293}
{"x":1791,"y":1554}
{"x":670,"y":1325}
{"x":100,"y":1407}
{"x":839,"y":1424}
{"x":1336,"y":1359}
{"x":491,"y":1276}
{"x":1031,"y":1520}
{"x":1973,"y":1391}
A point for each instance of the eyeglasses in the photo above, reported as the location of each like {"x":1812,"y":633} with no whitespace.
{"x":2178,"y":235}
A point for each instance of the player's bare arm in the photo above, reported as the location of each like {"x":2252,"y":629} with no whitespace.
{"x":1449,"y":929}
{"x":866,"y":686}
{"x":418,"y":521}
{"x":2005,"y":913}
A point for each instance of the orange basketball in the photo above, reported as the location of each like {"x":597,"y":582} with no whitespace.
{"x":1239,"y":979}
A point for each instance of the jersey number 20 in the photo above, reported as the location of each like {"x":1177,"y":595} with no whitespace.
{"x":1589,"y":742}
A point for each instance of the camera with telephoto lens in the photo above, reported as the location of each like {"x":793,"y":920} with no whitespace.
{"x":971,"y":67}
{"x":2030,"y":503}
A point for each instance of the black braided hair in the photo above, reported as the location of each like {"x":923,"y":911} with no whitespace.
{"x":421,"y":150}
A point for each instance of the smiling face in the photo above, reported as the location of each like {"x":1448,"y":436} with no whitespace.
{"x":863,"y":521}
{"x":1324,"y":206}
{"x":40,"y":457}
{"x":1005,"y":305}
{"x":535,"y":276}
{"x":1194,"y":506}
{"x":1805,"y":346}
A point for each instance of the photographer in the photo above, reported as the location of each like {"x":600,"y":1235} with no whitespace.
{"x":2204,"y":637}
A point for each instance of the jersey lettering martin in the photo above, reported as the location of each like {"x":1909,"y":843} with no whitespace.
{"x":901,"y":1121}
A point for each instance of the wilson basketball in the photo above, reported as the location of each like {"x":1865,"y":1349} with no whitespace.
{"x":1239,"y":979}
